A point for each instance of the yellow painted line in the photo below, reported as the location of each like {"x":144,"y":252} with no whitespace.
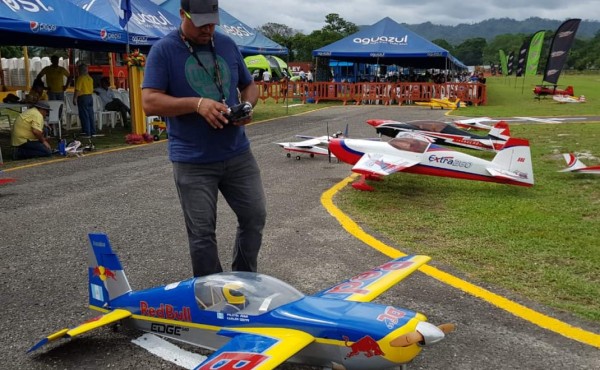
{"x":537,"y":318}
{"x":72,"y":158}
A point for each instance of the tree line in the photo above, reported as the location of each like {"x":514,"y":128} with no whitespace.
{"x":584,"y":55}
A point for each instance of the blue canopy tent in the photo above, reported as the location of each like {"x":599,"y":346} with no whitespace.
{"x":246,"y":38}
{"x":388,"y":42}
{"x":58,"y":24}
{"x":148,"y":22}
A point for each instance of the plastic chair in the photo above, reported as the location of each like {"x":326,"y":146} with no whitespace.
{"x":101,"y":114}
{"x":55,"y":117}
{"x":71,"y":111}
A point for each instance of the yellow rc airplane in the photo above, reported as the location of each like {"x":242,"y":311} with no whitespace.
{"x":440,"y":103}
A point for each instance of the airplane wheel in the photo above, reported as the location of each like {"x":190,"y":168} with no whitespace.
{"x":297,"y":157}
{"x":312,"y":155}
{"x":289,"y":155}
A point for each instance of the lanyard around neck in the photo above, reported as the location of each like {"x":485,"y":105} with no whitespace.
{"x":217,"y":76}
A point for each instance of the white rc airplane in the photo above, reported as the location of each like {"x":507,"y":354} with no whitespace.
{"x":568,"y":99}
{"x":312,"y":145}
{"x":413,"y":153}
{"x":575,"y":165}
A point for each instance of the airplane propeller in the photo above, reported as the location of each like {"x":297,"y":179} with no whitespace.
{"x":426,"y":333}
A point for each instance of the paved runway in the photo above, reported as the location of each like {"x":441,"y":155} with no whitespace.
{"x":129,"y":194}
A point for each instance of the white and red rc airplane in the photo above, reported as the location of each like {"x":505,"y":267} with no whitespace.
{"x":414,"y":153}
{"x":311,"y":146}
{"x":446,"y":134}
{"x":575,"y":165}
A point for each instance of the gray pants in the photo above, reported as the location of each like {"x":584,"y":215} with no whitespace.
{"x":238,"y":179}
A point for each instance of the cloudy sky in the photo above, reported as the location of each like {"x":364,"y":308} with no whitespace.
{"x":309,"y":15}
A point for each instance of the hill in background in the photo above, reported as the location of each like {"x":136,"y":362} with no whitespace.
{"x":491,"y":28}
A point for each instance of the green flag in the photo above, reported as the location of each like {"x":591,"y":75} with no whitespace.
{"x":535,"y":50}
{"x":503,"y":63}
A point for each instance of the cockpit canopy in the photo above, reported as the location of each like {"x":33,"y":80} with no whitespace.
{"x":243,"y":293}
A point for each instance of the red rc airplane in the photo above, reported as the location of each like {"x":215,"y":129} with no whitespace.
{"x":542,"y":90}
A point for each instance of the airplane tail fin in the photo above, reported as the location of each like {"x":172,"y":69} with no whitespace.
{"x":499,"y":131}
{"x":573,"y":163}
{"x":515,"y":161}
{"x":376,"y":122}
{"x":107,"y":279}
{"x":569,"y":90}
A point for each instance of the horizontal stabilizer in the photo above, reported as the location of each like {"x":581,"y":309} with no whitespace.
{"x":94,"y":323}
{"x":508,"y":175}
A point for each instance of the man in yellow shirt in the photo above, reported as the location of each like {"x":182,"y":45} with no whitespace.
{"x":54,"y":79}
{"x":83,"y":99}
{"x":27,"y":135}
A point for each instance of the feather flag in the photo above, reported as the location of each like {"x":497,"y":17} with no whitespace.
{"x":522,"y":57}
{"x":503,"y":61}
{"x":559,"y":50}
{"x":511,"y":63}
{"x":534,"y":53}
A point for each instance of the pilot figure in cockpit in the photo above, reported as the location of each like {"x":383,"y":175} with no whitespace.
{"x":234,"y":297}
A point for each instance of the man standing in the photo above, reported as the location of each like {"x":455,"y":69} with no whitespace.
{"x":192,"y":77}
{"x":83,"y":99}
{"x":55,"y":79}
{"x":27,"y":135}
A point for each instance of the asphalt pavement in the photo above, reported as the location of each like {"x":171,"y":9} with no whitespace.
{"x":129,"y":194}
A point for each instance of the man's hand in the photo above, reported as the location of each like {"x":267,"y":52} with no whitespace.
{"x":213,"y":112}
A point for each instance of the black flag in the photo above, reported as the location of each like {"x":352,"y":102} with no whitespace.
{"x":522,"y":58}
{"x":559,"y":50}
{"x":511,"y":63}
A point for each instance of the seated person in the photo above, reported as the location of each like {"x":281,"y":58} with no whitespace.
{"x":111,"y":103}
{"x":235,"y":299}
{"x":27,"y":135}
{"x":36,"y":93}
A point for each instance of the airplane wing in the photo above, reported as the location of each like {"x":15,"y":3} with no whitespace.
{"x":382,"y":164}
{"x":256,"y":348}
{"x":109,"y":318}
{"x":370,"y":284}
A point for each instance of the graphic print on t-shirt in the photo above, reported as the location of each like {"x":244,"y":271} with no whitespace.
{"x":205,"y":84}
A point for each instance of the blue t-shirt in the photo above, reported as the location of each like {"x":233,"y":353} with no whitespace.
{"x":171,"y":68}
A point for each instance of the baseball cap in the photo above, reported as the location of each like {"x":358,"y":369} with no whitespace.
{"x":42,"y":105}
{"x":202,"y":11}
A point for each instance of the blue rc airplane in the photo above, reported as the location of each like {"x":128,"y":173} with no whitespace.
{"x":254,"y":321}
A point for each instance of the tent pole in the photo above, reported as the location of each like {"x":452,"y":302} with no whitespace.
{"x":26,"y":67}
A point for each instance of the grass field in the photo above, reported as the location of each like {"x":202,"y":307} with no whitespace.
{"x":542,"y":243}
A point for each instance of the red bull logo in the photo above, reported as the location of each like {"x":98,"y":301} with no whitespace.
{"x":104,"y":273}
{"x":166,"y":311}
{"x":365,"y":345}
